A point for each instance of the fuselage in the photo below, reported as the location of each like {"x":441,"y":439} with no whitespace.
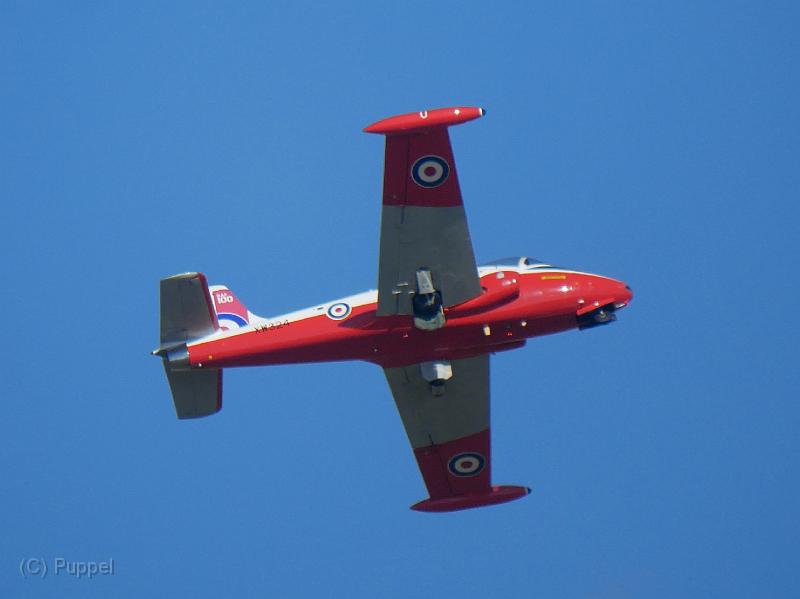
{"x":520,"y":300}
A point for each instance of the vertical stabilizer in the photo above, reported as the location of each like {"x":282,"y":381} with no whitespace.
{"x":231,"y":313}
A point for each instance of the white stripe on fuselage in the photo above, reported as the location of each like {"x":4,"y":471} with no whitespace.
{"x":354,"y":301}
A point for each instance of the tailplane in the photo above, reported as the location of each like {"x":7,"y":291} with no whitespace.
{"x":188,"y":313}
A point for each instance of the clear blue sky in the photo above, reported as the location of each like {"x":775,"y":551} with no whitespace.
{"x":655,"y":143}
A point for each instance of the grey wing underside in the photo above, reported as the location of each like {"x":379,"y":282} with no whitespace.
{"x":461,"y":411}
{"x":414,"y":237}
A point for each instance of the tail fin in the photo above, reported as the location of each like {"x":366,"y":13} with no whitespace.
{"x":187,"y":313}
{"x":231,"y":313}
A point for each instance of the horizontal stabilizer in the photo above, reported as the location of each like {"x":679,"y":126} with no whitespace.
{"x":187,"y":311}
{"x":196,"y":393}
{"x":187,"y":314}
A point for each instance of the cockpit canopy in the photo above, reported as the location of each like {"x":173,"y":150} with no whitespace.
{"x":518,"y":263}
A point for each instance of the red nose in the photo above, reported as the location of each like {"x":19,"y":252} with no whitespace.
{"x":623,"y":295}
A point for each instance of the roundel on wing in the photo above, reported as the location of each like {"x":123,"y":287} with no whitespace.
{"x":466,"y":464}
{"x":430,"y":171}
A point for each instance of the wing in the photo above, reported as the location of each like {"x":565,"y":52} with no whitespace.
{"x":449,"y":433}
{"x":423,"y":224}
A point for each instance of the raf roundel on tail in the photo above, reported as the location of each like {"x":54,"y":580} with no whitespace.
{"x":231,"y":313}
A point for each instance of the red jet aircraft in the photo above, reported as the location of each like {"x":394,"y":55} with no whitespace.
{"x":431,"y":324}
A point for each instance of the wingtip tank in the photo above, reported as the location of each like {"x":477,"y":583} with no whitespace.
{"x":426,"y":119}
{"x":501,"y":494}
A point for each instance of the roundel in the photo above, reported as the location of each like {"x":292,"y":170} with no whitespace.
{"x":339,"y":311}
{"x":230,"y":321}
{"x":466,"y":464}
{"x":430,"y":171}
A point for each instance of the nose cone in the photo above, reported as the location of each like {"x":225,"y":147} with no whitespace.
{"x":623,"y":294}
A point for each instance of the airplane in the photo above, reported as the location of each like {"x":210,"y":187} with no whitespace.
{"x":432,"y":323}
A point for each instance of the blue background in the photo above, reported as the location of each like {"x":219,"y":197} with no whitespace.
{"x":652,"y":142}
